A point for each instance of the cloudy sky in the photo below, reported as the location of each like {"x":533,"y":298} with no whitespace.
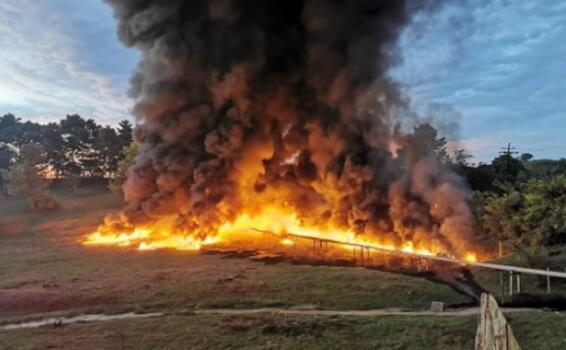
{"x":498,"y":69}
{"x":61,"y":57}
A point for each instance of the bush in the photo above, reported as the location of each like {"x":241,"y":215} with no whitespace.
{"x":528,"y":215}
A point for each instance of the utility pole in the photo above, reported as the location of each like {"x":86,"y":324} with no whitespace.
{"x":508,"y":152}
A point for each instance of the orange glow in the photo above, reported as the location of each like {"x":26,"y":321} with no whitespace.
{"x":471,"y":257}
{"x":144,"y":239}
{"x":121,"y":239}
{"x":248,"y":228}
{"x":287,"y":242}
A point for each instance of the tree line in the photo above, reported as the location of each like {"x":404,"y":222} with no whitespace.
{"x":518,"y":202}
{"x":73,"y":148}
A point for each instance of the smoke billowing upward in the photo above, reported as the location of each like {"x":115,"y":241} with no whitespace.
{"x":242,"y":104}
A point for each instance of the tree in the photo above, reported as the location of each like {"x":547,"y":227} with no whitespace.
{"x":28,"y":132}
{"x":544,"y":168}
{"x":27,"y":176}
{"x":9,"y":128}
{"x":530,"y":215}
{"x":52,"y":140}
{"x":78,"y":147}
{"x":506,"y":168}
{"x":480,"y":177}
{"x":8,"y":120}
{"x":525,"y":157}
{"x":125,"y":131}
{"x":495,"y":213}
{"x":7,"y":155}
{"x":543,"y":215}
{"x":128,"y":155}
{"x":4,"y":181}
{"x":460,"y":158}
{"x":109,"y":151}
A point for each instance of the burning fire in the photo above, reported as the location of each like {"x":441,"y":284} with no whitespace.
{"x":148,"y":239}
{"x":284,"y":225}
{"x":471,"y":257}
{"x":227,"y":130}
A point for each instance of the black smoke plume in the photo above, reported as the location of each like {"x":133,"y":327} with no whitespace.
{"x":241,"y":104}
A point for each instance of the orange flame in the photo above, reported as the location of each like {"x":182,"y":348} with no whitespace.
{"x":471,"y":257}
{"x":245,"y":227}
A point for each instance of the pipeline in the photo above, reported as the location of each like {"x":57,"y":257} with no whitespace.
{"x":500,"y":267}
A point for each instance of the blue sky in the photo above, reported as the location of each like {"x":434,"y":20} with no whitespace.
{"x":61,"y":57}
{"x":498,"y":69}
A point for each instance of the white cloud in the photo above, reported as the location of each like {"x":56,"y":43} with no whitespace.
{"x":501,"y":67}
{"x":44,"y":74}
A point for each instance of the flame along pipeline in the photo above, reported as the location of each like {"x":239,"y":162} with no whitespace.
{"x":283,"y":224}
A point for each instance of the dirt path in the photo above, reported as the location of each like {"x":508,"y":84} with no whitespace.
{"x":60,"y":321}
{"x":357,"y":313}
{"x":55,"y":322}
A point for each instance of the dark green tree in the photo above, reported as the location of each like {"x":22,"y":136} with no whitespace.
{"x":81,"y":158}
{"x":28,"y":177}
{"x":109,"y":151}
{"x":4,"y":182}
{"x":125,"y":131}
{"x":525,"y":157}
{"x":7,"y":156}
{"x":529,"y":215}
{"x":76,"y":147}
{"x":54,"y":143}
{"x":544,"y":168}
{"x":506,"y":168}
{"x":9,"y":128}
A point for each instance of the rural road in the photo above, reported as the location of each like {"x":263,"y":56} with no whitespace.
{"x":276,"y":311}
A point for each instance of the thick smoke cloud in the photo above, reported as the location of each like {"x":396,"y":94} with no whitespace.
{"x":245,"y":103}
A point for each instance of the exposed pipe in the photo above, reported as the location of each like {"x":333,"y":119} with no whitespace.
{"x":508,"y":268}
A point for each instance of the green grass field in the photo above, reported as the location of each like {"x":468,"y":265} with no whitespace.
{"x":44,"y":268}
{"x":534,"y":331}
{"x":45,"y":271}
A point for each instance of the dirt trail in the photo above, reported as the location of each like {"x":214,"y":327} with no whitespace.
{"x":60,"y":321}
{"x":360,"y":313}
{"x":55,"y":322}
